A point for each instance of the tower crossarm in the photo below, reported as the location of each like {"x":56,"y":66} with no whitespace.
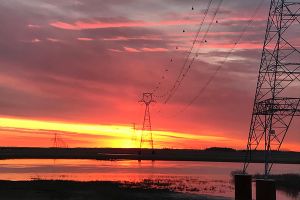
{"x":283,"y":106}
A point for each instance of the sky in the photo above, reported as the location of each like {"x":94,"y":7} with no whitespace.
{"x":78,"y":68}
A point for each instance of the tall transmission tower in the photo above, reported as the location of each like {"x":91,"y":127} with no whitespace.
{"x":277,"y":94}
{"x":146,"y":135}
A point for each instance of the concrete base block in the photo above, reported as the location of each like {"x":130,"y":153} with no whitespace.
{"x":243,"y":187}
{"x":265,"y":189}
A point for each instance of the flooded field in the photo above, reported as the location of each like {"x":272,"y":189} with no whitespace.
{"x":211,"y":178}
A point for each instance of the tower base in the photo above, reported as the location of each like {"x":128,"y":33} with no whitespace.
{"x":265,"y":189}
{"x":243,"y":187}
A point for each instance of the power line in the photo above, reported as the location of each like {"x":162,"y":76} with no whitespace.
{"x":188,"y":52}
{"x":185,"y":70}
{"x":195,"y":39}
{"x":212,"y":77}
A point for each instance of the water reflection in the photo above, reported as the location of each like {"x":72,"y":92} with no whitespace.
{"x":194,"y":177}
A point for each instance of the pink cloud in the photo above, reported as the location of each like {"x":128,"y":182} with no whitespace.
{"x":35,"y":40}
{"x":115,"y":50}
{"x":123,"y":38}
{"x":33,"y":26}
{"x":129,"y":49}
{"x":244,"y":45}
{"x":154,"y":49}
{"x":85,"y":39}
{"x":245,"y":19}
{"x":53,"y":40}
{"x":80,"y":25}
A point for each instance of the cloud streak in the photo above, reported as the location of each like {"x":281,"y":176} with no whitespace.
{"x":80,"y":25}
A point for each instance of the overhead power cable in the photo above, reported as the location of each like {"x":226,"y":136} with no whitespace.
{"x":166,"y":70}
{"x":185,"y":68}
{"x":212,"y":77}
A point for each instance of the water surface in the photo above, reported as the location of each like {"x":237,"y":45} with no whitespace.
{"x":212,"y":178}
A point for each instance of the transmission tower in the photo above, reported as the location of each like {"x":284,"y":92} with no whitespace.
{"x":58,"y":142}
{"x":146,"y":135}
{"x":277,"y":94}
{"x":133,"y":138}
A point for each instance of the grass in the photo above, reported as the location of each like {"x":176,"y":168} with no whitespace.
{"x":72,"y":190}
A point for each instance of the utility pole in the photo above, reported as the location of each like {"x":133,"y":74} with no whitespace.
{"x":146,"y":135}
{"x":276,"y":100}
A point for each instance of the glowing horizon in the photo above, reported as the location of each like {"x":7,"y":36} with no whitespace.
{"x":121,"y":135}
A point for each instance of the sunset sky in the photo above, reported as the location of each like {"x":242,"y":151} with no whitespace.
{"x":79,"y":67}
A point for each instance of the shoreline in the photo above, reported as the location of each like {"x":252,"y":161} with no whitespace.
{"x":131,"y":154}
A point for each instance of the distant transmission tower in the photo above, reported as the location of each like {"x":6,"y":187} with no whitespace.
{"x":58,"y":142}
{"x":146,"y":135}
{"x":133,"y":138}
{"x":277,"y":94}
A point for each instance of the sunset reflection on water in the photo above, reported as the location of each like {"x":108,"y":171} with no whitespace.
{"x":211,"y":178}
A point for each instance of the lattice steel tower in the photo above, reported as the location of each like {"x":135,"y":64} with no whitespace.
{"x":146,"y":135}
{"x":58,"y":142}
{"x":277,"y":94}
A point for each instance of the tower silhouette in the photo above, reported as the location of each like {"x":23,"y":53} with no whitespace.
{"x":276,"y":100}
{"x":133,"y":137}
{"x":58,"y":142}
{"x":146,"y":135}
